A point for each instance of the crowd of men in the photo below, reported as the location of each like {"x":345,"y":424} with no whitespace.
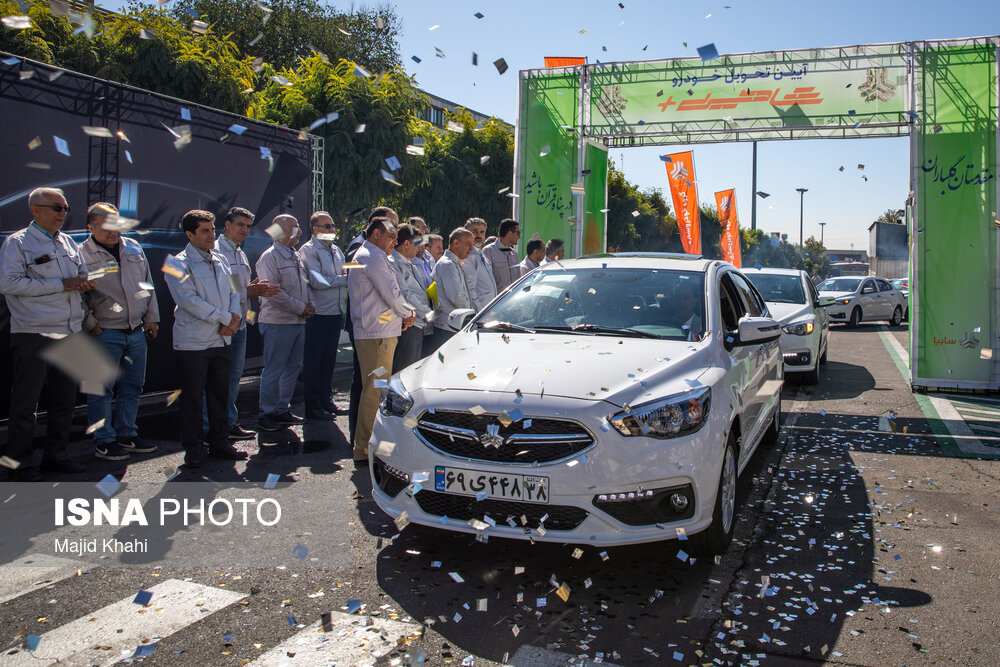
{"x":394,"y":304}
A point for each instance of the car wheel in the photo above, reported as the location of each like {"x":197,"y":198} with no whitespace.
{"x":822,"y":357}
{"x":897,"y":317}
{"x":810,"y":377}
{"x":718,"y":536}
{"x":855,"y":318}
{"x":771,"y":434}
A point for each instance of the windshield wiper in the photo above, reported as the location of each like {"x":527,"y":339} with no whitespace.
{"x":497,"y":325}
{"x":596,"y":328}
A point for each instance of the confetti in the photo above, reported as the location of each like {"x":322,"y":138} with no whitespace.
{"x":109,"y":485}
{"x":300,"y":551}
{"x":97,"y":131}
{"x":172,"y":398}
{"x":17,"y":22}
{"x":61,"y":145}
{"x":501,"y":65}
{"x":143,"y":598}
{"x":402,"y":521}
{"x":272,"y":480}
{"x":96,"y":425}
{"x":708,"y":52}
{"x":456,"y":577}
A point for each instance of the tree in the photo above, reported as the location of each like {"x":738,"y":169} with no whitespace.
{"x":891,"y":216}
{"x":295,"y":29}
{"x":816,"y":261}
{"x":373,"y":125}
{"x":711,"y":232}
{"x":450,"y":182}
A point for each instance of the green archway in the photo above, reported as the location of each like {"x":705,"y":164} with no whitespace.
{"x":942,"y":94}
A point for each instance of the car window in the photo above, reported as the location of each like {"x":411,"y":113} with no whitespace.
{"x":755,"y":306}
{"x":839,"y":285}
{"x":777,"y":288}
{"x":883,"y":286}
{"x":868,"y":284}
{"x":813,"y":294}
{"x":665,"y":303}
{"x":730,"y":303}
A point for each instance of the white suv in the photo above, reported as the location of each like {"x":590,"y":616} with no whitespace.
{"x":604,"y":400}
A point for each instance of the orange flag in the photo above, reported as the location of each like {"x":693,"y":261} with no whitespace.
{"x":730,"y":239}
{"x":680,"y":174}
{"x":559,"y":61}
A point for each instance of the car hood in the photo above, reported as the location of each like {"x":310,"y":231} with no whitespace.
{"x":595,"y":368}
{"x":788,"y":312}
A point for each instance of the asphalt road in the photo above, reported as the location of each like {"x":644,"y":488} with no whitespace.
{"x":861,"y":540}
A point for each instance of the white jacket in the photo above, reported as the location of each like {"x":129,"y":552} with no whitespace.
{"x":452,"y":287}
{"x":326,"y":261}
{"x":205,"y":299}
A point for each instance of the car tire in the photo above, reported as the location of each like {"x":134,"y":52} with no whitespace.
{"x":810,"y":377}
{"x":855,"y":318}
{"x":822,"y":357}
{"x":897,"y":317}
{"x":718,"y":536}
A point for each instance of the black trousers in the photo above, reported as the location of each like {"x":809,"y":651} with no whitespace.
{"x":409,"y":349}
{"x":36,"y":382}
{"x":204,"y":376}
{"x":322,"y":337}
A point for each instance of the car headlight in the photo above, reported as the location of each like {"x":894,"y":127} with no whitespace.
{"x":669,"y":417}
{"x":394,"y":401}
{"x":799,"y":328}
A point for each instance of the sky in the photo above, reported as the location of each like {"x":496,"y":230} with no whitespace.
{"x":524,"y":32}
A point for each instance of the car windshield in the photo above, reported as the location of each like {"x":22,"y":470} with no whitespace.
{"x":641,"y":303}
{"x":778,"y":288}
{"x":839,"y":285}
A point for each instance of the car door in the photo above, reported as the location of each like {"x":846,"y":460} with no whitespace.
{"x":760,"y":358}
{"x":740,"y":357}
{"x":869,"y":300}
{"x":891,"y":296}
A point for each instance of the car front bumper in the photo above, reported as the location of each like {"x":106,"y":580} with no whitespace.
{"x":800,"y":354}
{"x":588,"y":495}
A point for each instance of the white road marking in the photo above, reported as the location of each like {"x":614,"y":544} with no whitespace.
{"x":349,"y":642}
{"x":30,"y":573}
{"x":965,"y":439}
{"x":105,"y":636}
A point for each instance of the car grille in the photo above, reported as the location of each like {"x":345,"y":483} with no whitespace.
{"x":390,"y":484}
{"x":465,"y":435}
{"x":463,"y":508}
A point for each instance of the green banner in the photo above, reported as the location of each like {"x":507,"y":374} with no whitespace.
{"x":955,"y":250}
{"x":547,"y":155}
{"x":822,"y":91}
{"x":595,"y":215}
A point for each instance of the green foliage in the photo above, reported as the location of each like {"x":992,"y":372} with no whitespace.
{"x":449,"y":183}
{"x":654,"y":229}
{"x":892,"y":216}
{"x":756,"y":248}
{"x":385,"y":106}
{"x":298,"y":28}
{"x":711,"y":232}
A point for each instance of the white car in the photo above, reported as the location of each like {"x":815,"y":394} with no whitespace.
{"x":605,"y":400}
{"x":858,"y":299}
{"x":795,"y":303}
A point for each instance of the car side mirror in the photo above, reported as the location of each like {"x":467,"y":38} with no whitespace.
{"x":825,"y":302}
{"x":459,"y":317}
{"x":754,"y":330}
{"x":868,"y":290}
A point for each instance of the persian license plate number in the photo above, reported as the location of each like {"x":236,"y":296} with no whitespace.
{"x":500,"y":486}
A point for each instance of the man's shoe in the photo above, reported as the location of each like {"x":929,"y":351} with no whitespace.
{"x":360,"y":463}
{"x":237,"y":432}
{"x":227,"y":452}
{"x":334,"y":410}
{"x":319,"y":413}
{"x":288,"y":419}
{"x":110,"y":451}
{"x":26,"y":474}
{"x":134,"y":443}
{"x":192,"y":461}
{"x":64,"y":465}
{"x":268,"y":423}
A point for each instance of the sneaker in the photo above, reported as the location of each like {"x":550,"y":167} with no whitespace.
{"x":287,"y":418}
{"x":268,"y":423}
{"x":319,"y":413}
{"x":134,"y":443}
{"x":237,"y":432}
{"x":111,"y":451}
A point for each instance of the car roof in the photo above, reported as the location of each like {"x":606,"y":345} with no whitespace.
{"x":773,"y":271}
{"x":636,"y":260}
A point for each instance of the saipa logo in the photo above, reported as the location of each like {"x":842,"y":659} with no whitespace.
{"x":969,"y":341}
{"x":678,"y":171}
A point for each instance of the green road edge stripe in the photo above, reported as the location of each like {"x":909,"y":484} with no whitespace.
{"x":945,"y":440}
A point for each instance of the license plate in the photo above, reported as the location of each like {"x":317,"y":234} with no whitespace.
{"x":502,"y":486}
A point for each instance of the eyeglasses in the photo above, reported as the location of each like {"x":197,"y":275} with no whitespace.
{"x":58,"y":208}
{"x":325,"y":226}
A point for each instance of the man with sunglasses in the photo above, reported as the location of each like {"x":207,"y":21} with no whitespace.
{"x":42,"y":274}
{"x":328,"y":280}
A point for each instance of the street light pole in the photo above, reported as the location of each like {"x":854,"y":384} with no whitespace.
{"x":822,"y":228}
{"x":802,"y":192}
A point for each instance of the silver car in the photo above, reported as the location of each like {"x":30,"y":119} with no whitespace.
{"x":858,"y":299}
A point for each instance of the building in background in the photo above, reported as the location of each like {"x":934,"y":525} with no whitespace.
{"x":889,"y":247}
